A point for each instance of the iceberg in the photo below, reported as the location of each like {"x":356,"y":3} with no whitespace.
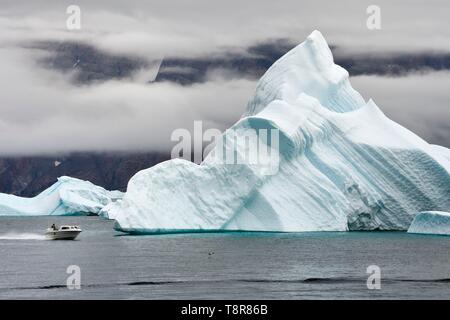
{"x":431,"y":222}
{"x":342,"y":164}
{"x":68,"y":196}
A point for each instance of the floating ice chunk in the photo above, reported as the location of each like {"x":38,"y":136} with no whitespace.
{"x":431,"y":222}
{"x":68,"y":196}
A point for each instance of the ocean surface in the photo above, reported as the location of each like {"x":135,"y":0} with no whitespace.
{"x":218,"y":265}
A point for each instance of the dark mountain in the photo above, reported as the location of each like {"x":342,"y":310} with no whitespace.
{"x":188,"y":71}
{"x":27,"y":176}
{"x":252,"y":63}
{"x":89,"y":64}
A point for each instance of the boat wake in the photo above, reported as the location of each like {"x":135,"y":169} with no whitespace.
{"x":22,"y":236}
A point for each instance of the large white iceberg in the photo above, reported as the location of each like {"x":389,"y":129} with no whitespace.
{"x":68,"y":196}
{"x":431,"y":222}
{"x":343,"y":165}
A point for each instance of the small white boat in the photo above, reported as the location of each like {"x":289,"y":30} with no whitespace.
{"x":63,"y":232}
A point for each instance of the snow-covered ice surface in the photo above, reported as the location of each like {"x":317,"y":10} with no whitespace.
{"x":431,"y":222}
{"x":343,"y":165}
{"x":68,"y":196}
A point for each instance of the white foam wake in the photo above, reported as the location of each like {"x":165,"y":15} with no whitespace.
{"x":21,"y":236}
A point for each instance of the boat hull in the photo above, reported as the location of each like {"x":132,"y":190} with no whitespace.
{"x":62,"y":235}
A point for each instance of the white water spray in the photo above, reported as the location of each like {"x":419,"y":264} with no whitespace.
{"x":22,"y":236}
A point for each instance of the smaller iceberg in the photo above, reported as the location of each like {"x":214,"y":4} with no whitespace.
{"x":431,"y":222}
{"x":67,"y":196}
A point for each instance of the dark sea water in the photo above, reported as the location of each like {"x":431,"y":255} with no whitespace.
{"x":218,"y":266}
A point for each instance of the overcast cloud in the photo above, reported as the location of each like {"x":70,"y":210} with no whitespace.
{"x":42,"y":111}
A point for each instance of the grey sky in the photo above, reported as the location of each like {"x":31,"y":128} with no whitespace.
{"x":41,"y":111}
